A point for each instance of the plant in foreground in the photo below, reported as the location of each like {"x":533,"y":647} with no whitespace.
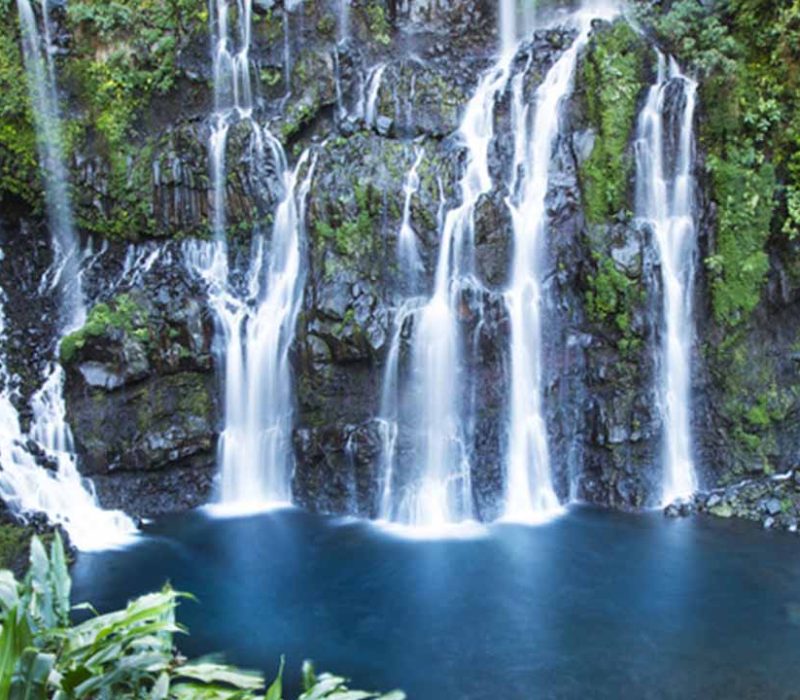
{"x":128,"y":654}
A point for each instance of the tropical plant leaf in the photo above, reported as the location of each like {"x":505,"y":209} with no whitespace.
{"x":38,"y":593}
{"x":275,"y":690}
{"x":212,"y":673}
{"x":30,"y":680}
{"x":309,"y":675}
{"x":160,"y":690}
{"x":9,"y":592}
{"x":60,"y":580}
{"x":198,"y":691}
{"x":15,"y":637}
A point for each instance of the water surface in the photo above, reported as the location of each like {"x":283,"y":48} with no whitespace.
{"x":592,"y":605}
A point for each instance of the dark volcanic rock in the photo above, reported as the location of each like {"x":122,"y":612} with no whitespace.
{"x":142,"y":396}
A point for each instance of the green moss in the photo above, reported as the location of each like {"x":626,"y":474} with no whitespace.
{"x":14,"y":543}
{"x":121,"y":313}
{"x":124,"y":57}
{"x":272,"y":26}
{"x":352,"y":236}
{"x":612,"y":77}
{"x":327,"y":25}
{"x":299,"y":115}
{"x":194,"y":398}
{"x":754,"y":402}
{"x":378,"y":23}
{"x":612,"y":296}
{"x":271,"y":76}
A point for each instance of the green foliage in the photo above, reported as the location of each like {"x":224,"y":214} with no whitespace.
{"x":378,"y":23}
{"x":299,"y":115}
{"x":18,"y":156}
{"x":128,"y":654}
{"x":271,"y":76}
{"x":327,"y":25}
{"x":13,"y":543}
{"x":329,"y":686}
{"x":352,"y":236}
{"x":743,"y":191}
{"x":272,"y":26}
{"x":747,"y":56}
{"x":613,"y":77}
{"x":122,"y":312}
{"x":612,"y":295}
{"x":125,"y":55}
{"x":753,"y":403}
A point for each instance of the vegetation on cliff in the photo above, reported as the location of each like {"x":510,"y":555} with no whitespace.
{"x":613,"y":77}
{"x":746,"y":55}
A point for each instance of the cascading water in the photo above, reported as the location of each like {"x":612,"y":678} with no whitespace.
{"x":409,"y":272}
{"x":344,"y":20}
{"x":515,"y":20}
{"x":256,"y":320}
{"x":233,"y":95}
{"x":665,"y":193}
{"x":256,"y":331}
{"x":529,"y":487}
{"x":60,"y":493}
{"x":40,"y":73}
{"x":441,"y":493}
{"x":407,"y":251}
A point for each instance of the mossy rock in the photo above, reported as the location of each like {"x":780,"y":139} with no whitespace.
{"x":612,"y":75}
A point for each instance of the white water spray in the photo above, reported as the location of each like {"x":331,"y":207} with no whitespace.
{"x":256,"y":332}
{"x":61,"y":493}
{"x":442,"y":492}
{"x":530,"y":495}
{"x":665,"y":201}
{"x":40,"y":72}
{"x":407,"y":250}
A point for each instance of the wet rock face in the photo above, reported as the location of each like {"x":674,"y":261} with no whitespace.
{"x":141,"y":395}
{"x":143,"y":384}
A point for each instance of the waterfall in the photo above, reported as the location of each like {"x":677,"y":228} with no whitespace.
{"x":233,"y":96}
{"x":369,"y":87}
{"x":407,"y":251}
{"x":256,"y":331}
{"x":60,"y":492}
{"x":344,"y":20}
{"x":40,"y":72}
{"x":529,"y":487}
{"x":441,"y":493}
{"x":56,"y":489}
{"x":255,"y":319}
{"x":665,"y":193}
{"x":507,"y":22}
{"x":374,"y":86}
{"x":515,"y":20}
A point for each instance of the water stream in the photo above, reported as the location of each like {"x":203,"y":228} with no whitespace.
{"x":530,"y":495}
{"x":51,"y":484}
{"x":665,"y":202}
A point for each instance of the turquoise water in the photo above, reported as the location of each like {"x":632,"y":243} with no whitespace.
{"x":592,"y":605}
